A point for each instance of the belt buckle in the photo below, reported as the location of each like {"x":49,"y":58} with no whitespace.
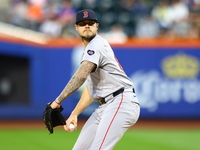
{"x":101,"y":101}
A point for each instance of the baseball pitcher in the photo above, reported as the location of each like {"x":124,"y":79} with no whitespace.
{"x":106,"y":83}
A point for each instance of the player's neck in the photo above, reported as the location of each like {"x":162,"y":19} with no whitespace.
{"x":85,"y":40}
{"x":85,"y":43}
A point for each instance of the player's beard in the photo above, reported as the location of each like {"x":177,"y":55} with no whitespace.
{"x":88,"y":37}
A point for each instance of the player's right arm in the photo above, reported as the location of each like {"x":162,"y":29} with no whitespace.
{"x":75,"y":82}
{"x":85,"y":100}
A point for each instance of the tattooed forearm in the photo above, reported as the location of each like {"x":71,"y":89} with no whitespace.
{"x":77,"y":80}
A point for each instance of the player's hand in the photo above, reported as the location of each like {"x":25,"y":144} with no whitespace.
{"x":73,"y":119}
{"x":54,"y":105}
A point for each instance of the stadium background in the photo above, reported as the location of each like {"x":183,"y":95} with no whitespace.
{"x":162,"y":58}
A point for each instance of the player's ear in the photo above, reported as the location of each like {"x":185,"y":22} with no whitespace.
{"x":76,"y":27}
{"x":97,"y":25}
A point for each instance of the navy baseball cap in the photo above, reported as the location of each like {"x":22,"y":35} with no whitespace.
{"x":86,"y":14}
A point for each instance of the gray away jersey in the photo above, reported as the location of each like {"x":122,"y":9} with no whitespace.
{"x":109,"y":75}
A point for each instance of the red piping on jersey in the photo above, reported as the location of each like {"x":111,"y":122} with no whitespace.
{"x":112,"y":121}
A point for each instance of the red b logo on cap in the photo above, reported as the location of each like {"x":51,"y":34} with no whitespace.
{"x":85,"y":14}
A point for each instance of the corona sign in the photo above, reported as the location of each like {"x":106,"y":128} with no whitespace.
{"x":171,"y":88}
{"x":181,"y":66}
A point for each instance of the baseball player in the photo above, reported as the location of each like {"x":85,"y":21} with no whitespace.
{"x":106,"y":83}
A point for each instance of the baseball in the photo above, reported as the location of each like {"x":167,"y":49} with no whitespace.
{"x":71,"y":126}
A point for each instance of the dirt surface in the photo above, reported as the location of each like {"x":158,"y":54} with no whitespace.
{"x":141,"y":124}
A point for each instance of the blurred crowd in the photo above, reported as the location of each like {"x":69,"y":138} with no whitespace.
{"x":118,"y":18}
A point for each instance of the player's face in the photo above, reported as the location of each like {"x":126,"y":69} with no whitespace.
{"x":87,"y":29}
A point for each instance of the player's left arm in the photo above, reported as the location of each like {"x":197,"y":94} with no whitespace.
{"x":75,"y":82}
{"x":85,"y":100}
